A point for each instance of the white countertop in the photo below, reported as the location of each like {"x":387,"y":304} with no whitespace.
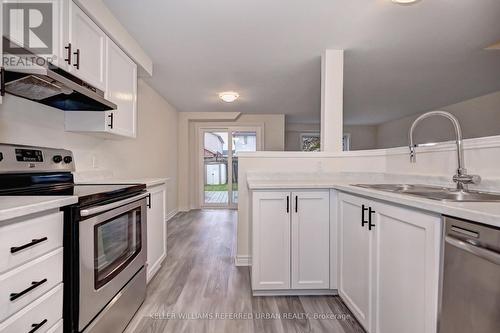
{"x":16,"y":206}
{"x":483,"y":212}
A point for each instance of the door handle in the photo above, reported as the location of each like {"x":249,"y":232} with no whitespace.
{"x":2,"y":81}
{"x":37,"y":326}
{"x":111,"y":117}
{"x":77,"y":64}
{"x":68,"y":59}
{"x":491,"y":256}
{"x":363,"y":210}
{"x":149,"y":200}
{"x":370,"y":224}
{"x":288,"y":204}
{"x":34,"y":285}
{"x":33,"y":242}
{"x":296,"y":204}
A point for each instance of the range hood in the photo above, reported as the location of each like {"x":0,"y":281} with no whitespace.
{"x":51,"y":85}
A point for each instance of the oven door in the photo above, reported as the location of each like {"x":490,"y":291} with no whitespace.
{"x":112,"y":250}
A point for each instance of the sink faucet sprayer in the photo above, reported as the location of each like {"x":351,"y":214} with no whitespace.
{"x":461,"y":177}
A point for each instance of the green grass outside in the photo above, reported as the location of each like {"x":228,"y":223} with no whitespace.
{"x":220,"y":188}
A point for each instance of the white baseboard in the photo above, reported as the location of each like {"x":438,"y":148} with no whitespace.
{"x":154,"y":268}
{"x":295,"y":292}
{"x":170,"y":215}
{"x":243,"y":260}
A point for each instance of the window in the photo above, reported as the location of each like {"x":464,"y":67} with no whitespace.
{"x":310,"y":141}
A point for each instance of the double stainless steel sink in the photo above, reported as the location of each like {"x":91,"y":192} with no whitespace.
{"x":435,"y":192}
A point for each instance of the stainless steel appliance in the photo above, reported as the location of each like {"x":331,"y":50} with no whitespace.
{"x":105,"y":237}
{"x":470,"y":293}
{"x":45,"y":83}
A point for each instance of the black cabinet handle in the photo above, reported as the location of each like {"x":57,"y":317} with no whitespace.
{"x":296,"y":204}
{"x":68,"y":59}
{"x":33,"y":242}
{"x":149,"y":200}
{"x":363,"y":210}
{"x":2,"y":81}
{"x":370,"y":224}
{"x":77,"y":64}
{"x":34,"y":285}
{"x":111,"y":117}
{"x":37,"y":326}
{"x":288,"y":204}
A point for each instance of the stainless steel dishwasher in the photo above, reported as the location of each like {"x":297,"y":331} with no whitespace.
{"x":470,"y":293}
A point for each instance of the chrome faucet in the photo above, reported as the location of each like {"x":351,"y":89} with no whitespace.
{"x":461,"y":178}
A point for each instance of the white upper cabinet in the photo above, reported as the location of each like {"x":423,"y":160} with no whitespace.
{"x":121,"y":89}
{"x":389,"y":265}
{"x":311,"y":239}
{"x":271,"y":240}
{"x":1,"y":57}
{"x":88,"y":48}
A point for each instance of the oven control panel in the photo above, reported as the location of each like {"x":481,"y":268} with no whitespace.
{"x":18,"y":159}
{"x":29,"y":155}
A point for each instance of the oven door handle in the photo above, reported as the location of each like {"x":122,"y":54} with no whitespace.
{"x":491,"y":256}
{"x":103,"y":208}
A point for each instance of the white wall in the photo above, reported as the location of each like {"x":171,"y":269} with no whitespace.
{"x":152,"y":154}
{"x":362,"y":137}
{"x":479,"y":117}
{"x":436,"y":161}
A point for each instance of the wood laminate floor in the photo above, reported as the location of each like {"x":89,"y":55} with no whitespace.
{"x":199,"y":284}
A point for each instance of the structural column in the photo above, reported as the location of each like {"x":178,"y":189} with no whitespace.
{"x":332,"y":100}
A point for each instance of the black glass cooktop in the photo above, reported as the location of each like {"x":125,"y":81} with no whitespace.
{"x":63,"y":184}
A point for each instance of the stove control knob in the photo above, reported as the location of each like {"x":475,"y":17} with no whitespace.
{"x":68,"y":159}
{"x":57,"y":158}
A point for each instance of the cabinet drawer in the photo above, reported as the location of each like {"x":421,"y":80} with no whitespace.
{"x":57,"y":328}
{"x":45,"y":311}
{"x":24,"y":241}
{"x":29,"y":282}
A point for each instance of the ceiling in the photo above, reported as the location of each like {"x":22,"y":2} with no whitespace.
{"x":399,"y":60}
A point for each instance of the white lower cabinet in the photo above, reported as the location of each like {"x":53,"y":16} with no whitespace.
{"x":271,"y":241}
{"x":311,"y":240}
{"x":290,"y":240}
{"x":156,"y":229}
{"x":389,"y":265}
{"x":31,"y":273}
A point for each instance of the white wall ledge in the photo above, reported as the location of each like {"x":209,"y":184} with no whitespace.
{"x":469,"y":144}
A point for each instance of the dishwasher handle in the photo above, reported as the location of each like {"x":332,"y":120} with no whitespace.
{"x":481,"y":252}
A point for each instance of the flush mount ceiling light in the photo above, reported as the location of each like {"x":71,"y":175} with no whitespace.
{"x":229,"y":96}
{"x":405,"y":2}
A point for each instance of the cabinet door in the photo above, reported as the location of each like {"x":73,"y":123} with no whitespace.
{"x":354,"y":258}
{"x":1,"y":56}
{"x":121,"y":89}
{"x":88,"y":47}
{"x":271,"y":240}
{"x":406,"y":256}
{"x":157,"y":245}
{"x":311,"y":239}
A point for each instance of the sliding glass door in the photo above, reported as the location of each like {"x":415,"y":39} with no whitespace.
{"x":219,"y":169}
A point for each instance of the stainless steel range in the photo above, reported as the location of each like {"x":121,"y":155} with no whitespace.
{"x":105,"y":237}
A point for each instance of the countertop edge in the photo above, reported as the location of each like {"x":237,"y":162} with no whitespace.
{"x":37,"y":206}
{"x":476,"y":212}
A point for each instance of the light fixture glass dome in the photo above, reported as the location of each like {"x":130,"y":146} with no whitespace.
{"x":229,"y":96}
